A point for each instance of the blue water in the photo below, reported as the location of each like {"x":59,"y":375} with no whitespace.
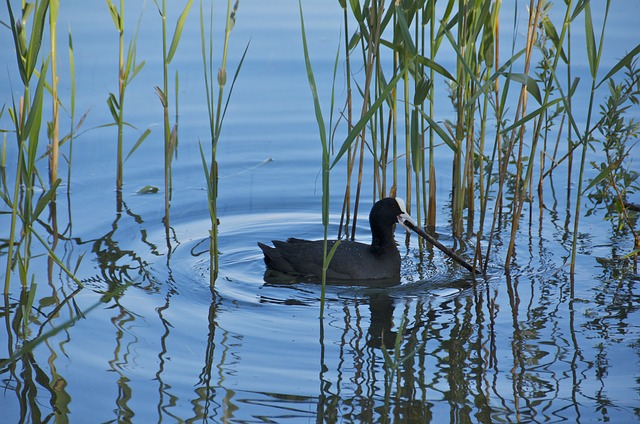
{"x":534,"y":344}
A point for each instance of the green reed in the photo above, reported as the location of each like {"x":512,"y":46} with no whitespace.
{"x":170,"y":130}
{"x":72,"y":124}
{"x":594,"y":53}
{"x":216,"y":110}
{"x":326,"y":154}
{"x":128,"y":68}
{"x":26,"y":115}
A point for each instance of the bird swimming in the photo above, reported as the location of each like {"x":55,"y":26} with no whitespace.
{"x":352,"y":260}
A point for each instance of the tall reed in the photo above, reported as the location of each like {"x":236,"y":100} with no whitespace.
{"x":326,"y":155}
{"x":26,"y":116}
{"x":216,"y":110}
{"x":594,"y":53}
{"x":170,"y":130}
{"x":128,"y":68}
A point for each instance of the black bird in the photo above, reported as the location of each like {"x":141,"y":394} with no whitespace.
{"x":352,"y":260}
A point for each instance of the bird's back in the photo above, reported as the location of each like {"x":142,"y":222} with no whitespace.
{"x":351,"y":261}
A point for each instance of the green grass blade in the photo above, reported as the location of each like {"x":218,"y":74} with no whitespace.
{"x":178,"y":31}
{"x":404,"y":30}
{"x":440,"y":131}
{"x":233,"y":83}
{"x":531,"y":115}
{"x":532,"y":85}
{"x":72,"y":72}
{"x":44,"y":200}
{"x":312,"y":84}
{"x":34,"y":118}
{"x":112,"y":102}
{"x":114,"y":15}
{"x":590,"y":41}
{"x":19,"y":47}
{"x":552,"y":34}
{"x":357,"y":128}
{"x":39,"y":23}
{"x":142,"y":137}
{"x":435,"y":66}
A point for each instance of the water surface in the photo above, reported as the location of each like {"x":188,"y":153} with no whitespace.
{"x":534,"y":344}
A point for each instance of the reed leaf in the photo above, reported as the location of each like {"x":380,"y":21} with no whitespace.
{"x":210,"y":188}
{"x":27,"y":56}
{"x":435,"y":66}
{"x":34,"y":119}
{"x":39,"y":22}
{"x":178,"y":31}
{"x":441,"y":132}
{"x":233,"y":83}
{"x":580,"y":5}
{"x":404,"y":30}
{"x":520,"y":122}
{"x":115,"y":15}
{"x":312,"y":85}
{"x":468,"y":68}
{"x":72,"y":73}
{"x":44,"y":200}
{"x":142,"y":137}
{"x":161,"y":96}
{"x":532,"y":85}
{"x":112,"y":103}
{"x":552,"y":34}
{"x":590,"y":41}
{"x":366,"y":117}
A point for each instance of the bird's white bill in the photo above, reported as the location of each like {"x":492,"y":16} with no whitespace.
{"x":405,"y":217}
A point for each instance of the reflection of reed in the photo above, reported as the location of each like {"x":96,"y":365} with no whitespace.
{"x":206,"y":405}
{"x":446,"y":352}
{"x":120,"y":359}
{"x":59,"y":312}
{"x":115,"y":263}
{"x":164,"y":405}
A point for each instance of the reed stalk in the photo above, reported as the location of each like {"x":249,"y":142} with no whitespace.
{"x":170,"y":130}
{"x":72,"y":116}
{"x":594,"y":54}
{"x":128,"y":68}
{"x":326,"y":155}
{"x":373,"y":37}
{"x":346,"y":204}
{"x":216,"y":112}
{"x":26,"y":116}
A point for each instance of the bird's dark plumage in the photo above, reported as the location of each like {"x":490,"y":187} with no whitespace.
{"x":352,"y":260}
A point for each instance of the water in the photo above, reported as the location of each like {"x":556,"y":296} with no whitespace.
{"x":535,"y":344}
